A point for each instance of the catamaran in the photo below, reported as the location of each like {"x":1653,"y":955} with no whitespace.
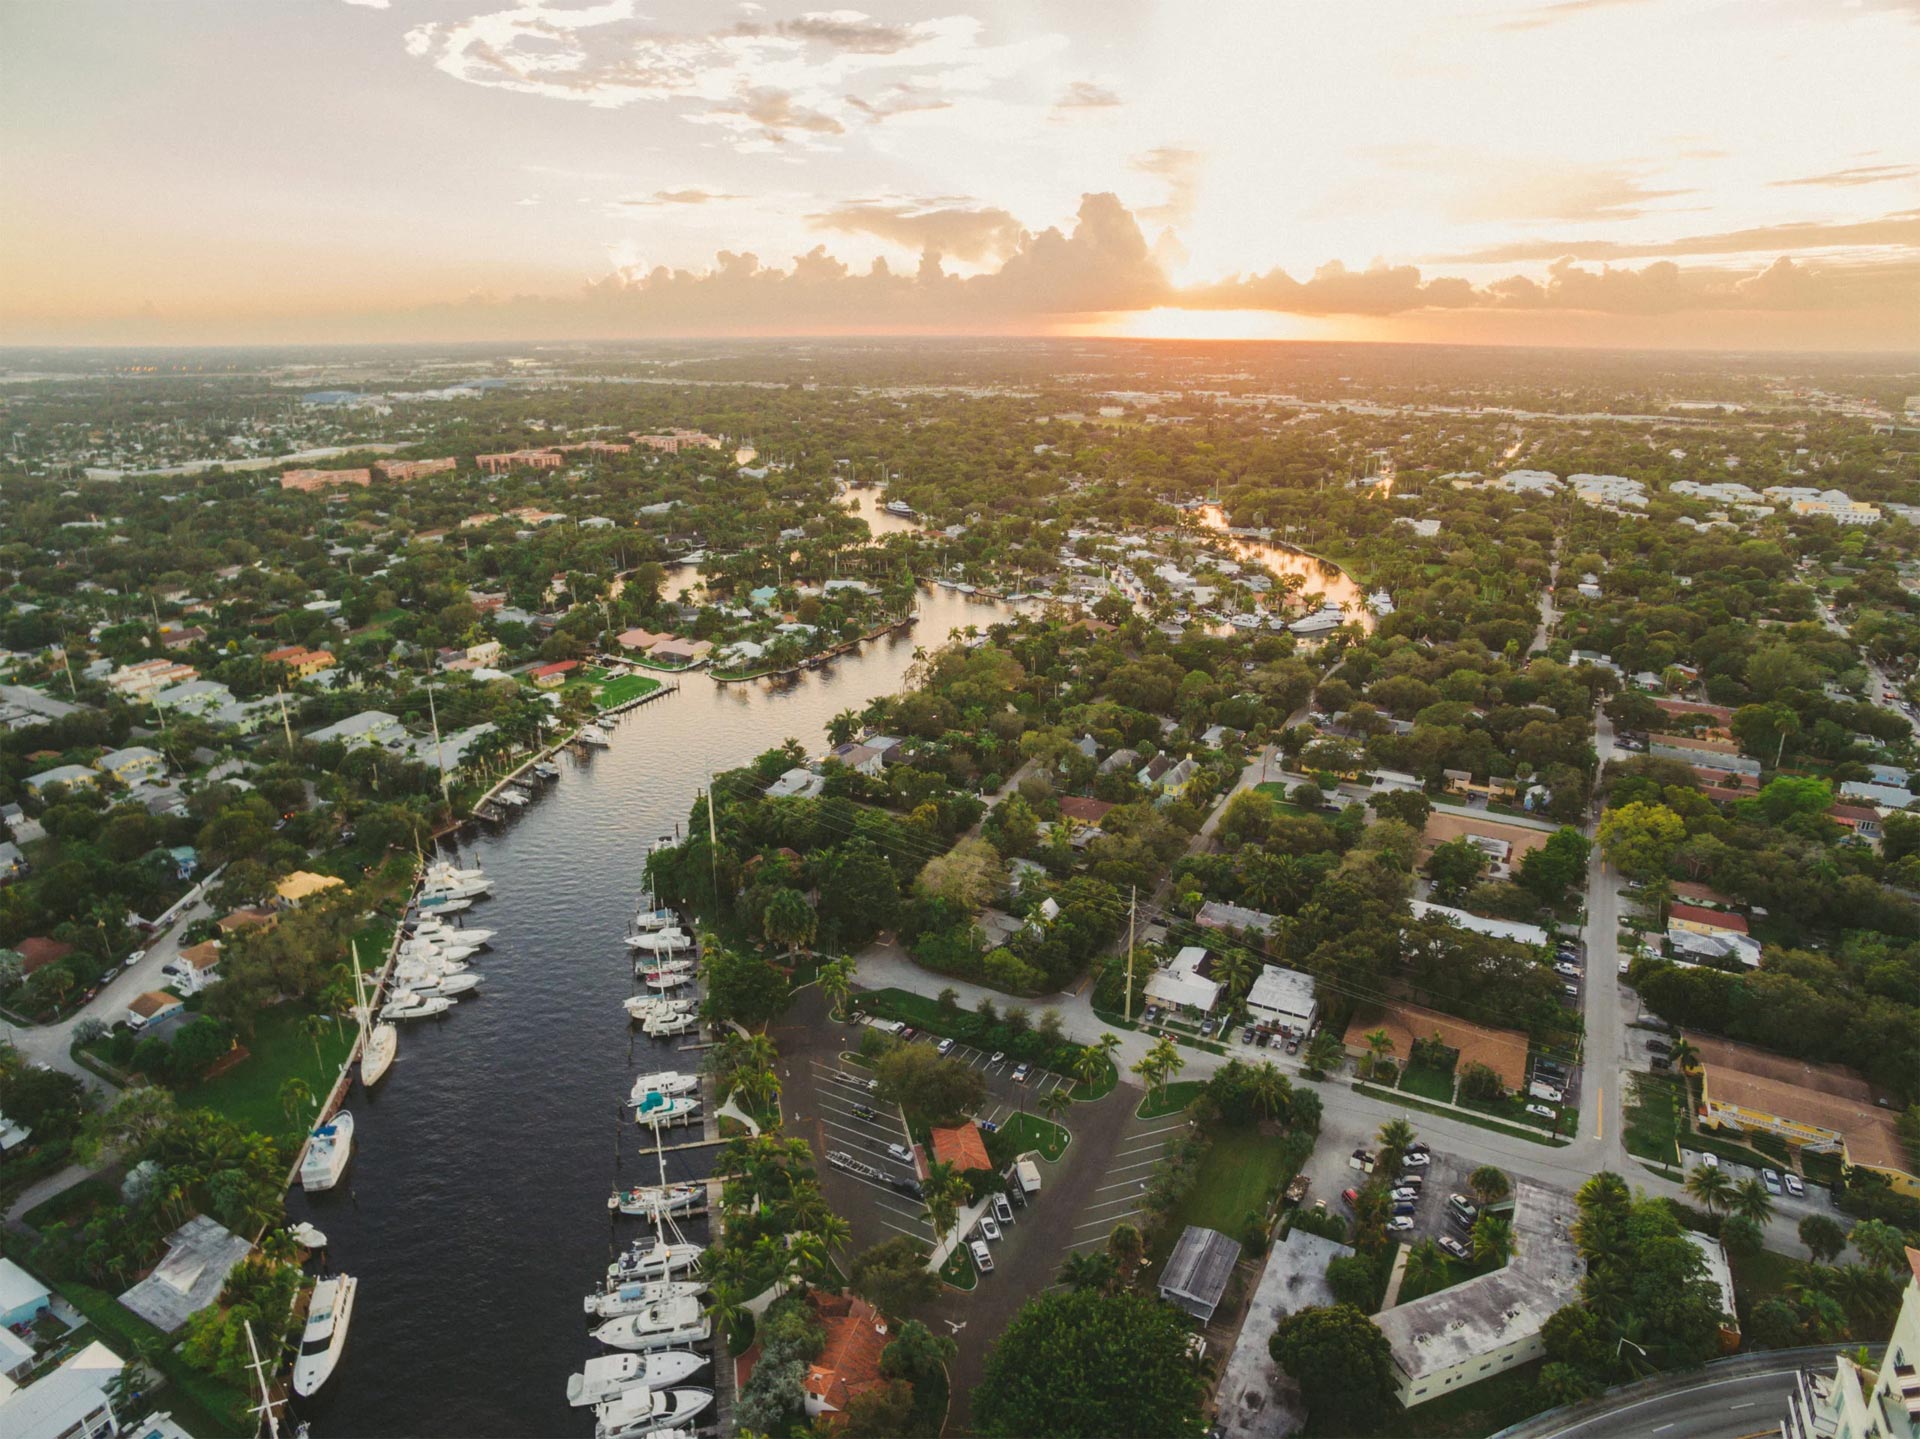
{"x":655,"y":1199}
{"x":675,"y":1322}
{"x":378,"y":1042}
{"x":662,"y":1026}
{"x":621,"y":1299}
{"x":406,"y":1004}
{"x":667,"y":1081}
{"x":653,"y":1258}
{"x":328,"y":1150}
{"x":657,"y":1109}
{"x":611,"y":1375}
{"x":326,"y":1335}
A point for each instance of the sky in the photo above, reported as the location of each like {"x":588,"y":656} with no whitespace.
{"x":1667,"y":173}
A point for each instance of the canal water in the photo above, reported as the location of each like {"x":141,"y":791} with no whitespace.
{"x":474,"y":1211}
{"x":1317,"y":576}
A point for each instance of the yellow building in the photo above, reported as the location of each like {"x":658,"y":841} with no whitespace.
{"x":304,"y":884}
{"x":1822,"y":1108}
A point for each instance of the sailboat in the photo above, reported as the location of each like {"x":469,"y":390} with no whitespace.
{"x":661,"y":941}
{"x":650,"y":917}
{"x":653,"y":1258}
{"x":665,"y":979}
{"x":378,"y":1042}
{"x":655,"y":1199}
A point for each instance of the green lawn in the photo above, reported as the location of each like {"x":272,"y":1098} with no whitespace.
{"x":73,"y":1204}
{"x":1241,"y":1169}
{"x":959,"y":1271}
{"x":1452,"y":1272}
{"x":1653,"y":1118}
{"x":280,"y":1050}
{"x":1277,"y":792}
{"x":1431,"y":1082}
{"x":1029,"y":1131}
{"x":1173,"y":1099}
{"x":621,"y":688}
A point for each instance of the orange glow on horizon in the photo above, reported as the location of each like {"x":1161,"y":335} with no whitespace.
{"x":1171,"y":322}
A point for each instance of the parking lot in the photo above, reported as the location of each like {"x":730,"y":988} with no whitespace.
{"x":1115,"y":1192}
{"x":1006,"y":1094}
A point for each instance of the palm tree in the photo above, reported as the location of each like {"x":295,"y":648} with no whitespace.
{"x":1087,"y":1270}
{"x":1054,"y":1103}
{"x":1880,"y":1244}
{"x":807,"y":1253}
{"x":726,"y":1304}
{"x":1683,"y":1054}
{"x":1750,"y":1200}
{"x":315,"y":1027}
{"x":944,"y":1189}
{"x":843,"y":727}
{"x":1492,"y":1239}
{"x":1269,"y":1088}
{"x":834,"y":1231}
{"x":1324,"y":1052}
{"x":295,"y":1098}
{"x":1424,"y":1265}
{"x":836,"y":983}
{"x":1710,"y":1185}
{"x":1489,"y":1184}
{"x":1379,"y":1047}
{"x":1090,"y":1064}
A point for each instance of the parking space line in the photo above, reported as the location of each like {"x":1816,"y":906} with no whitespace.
{"x":1121,"y":1184}
{"x":1163,"y":1129}
{"x":1091,"y":1239}
{"x":910,"y":1233}
{"x":1133,"y":1198}
{"x":1142,"y":1164}
{"x":1108,"y":1222}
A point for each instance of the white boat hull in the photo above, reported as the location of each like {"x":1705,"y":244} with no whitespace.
{"x":632,"y":1298}
{"x":376,"y":1055}
{"x":322,"y":1344}
{"x":655,"y":1415}
{"x":327,"y":1154}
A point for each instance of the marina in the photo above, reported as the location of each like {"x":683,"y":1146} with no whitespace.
{"x":513,"y":1113}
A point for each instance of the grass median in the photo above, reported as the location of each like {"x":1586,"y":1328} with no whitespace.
{"x":1394,"y":1096}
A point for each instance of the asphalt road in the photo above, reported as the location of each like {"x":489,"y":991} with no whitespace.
{"x":1728,"y":1408}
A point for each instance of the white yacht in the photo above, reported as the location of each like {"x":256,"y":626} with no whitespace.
{"x":447,"y":947}
{"x":406,"y":1004}
{"x":1330,"y":616}
{"x":667,"y":1081}
{"x":653,"y":1258}
{"x":445,"y":879}
{"x":441,"y":904}
{"x":658,"y":918}
{"x":328,"y":1150}
{"x":662,"y":1026}
{"x":327,"y":1318}
{"x":443,"y":985}
{"x":611,"y":1375}
{"x":650,"y":1414}
{"x":514,"y":797}
{"x":652,"y":1200}
{"x":662,"y":1326}
{"x":378,"y":1042}
{"x":438,"y":930}
{"x":307,"y":1236}
{"x":899,"y":507}
{"x":657,"y":1109}
{"x":620,"y":1299}
{"x":592,"y":734}
{"x":1381,"y":603}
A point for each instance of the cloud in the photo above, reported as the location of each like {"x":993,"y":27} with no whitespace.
{"x":1336,"y":290}
{"x":372,"y":4}
{"x":680,"y":197}
{"x":1541,"y":16}
{"x":1179,"y":169}
{"x":1857,"y":175}
{"x":1901,"y":228}
{"x":967,"y":234}
{"x":766,"y":82}
{"x":1085,"y":95}
{"x":1555,"y":192}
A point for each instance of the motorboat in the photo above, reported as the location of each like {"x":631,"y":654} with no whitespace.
{"x":306,"y":1236}
{"x":406,"y":1004}
{"x":662,"y":1026}
{"x":664,"y":842}
{"x":653,"y":1258}
{"x":442,"y":904}
{"x":657,"y":1109}
{"x":621,"y":1299}
{"x":328,"y":1150}
{"x":654,"y":919}
{"x":445,"y":879}
{"x":450,"y":870}
{"x":509,"y":795}
{"x":664,"y":966}
{"x":651,"y":1414}
{"x":433,"y":927}
{"x":664,"y":979}
{"x":442,"y":944}
{"x":443,"y":985}
{"x":900,"y":508}
{"x":667,"y":1081}
{"x":328,"y":1315}
{"x":663,"y":1326}
{"x":592,"y":734}
{"x":547,"y":769}
{"x":611,"y":1375}
{"x":655,"y":1199}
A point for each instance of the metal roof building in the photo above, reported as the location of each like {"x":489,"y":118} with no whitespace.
{"x":1196,"y":1274}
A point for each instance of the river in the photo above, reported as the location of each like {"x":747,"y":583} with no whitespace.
{"x":1317,"y":576}
{"x":474,"y":1212}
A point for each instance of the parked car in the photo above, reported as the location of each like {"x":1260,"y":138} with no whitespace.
{"x":1794,"y":1186}
{"x":864,"y":1111}
{"x":943,"y":1046}
{"x":1710,"y":1161}
{"x":1661,"y":1062}
{"x":1572,"y":990}
{"x":1454,"y":1247}
{"x":1399,"y":1210}
{"x":901,"y":1153}
{"x":989,"y":1229}
{"x":908,"y":1032}
{"x":1403,"y":1195}
{"x":1659,"y":1046}
{"x":1021,"y":1072}
{"x":1414,"y":1182}
{"x":1400,"y":1223}
{"x":1460,"y":1204}
{"x":1771,"y":1180}
{"x":909,"y":1187}
{"x":1293,"y":1046}
{"x":1419,"y":1160}
{"x":1568,"y":968}
{"x":1247,"y":1038}
{"x":1349,"y":1197}
{"x":997,"y":1056}
{"x":1002,"y":1210}
{"x":982,"y":1258}
{"x":1539,"y":1111}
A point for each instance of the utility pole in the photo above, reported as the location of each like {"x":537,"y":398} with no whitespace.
{"x":439,"y":754}
{"x":1133,"y":901}
{"x":285,"y":724}
{"x":713,"y":845}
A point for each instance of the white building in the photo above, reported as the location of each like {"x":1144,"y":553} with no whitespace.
{"x":1184,"y":982}
{"x":68,"y":1402}
{"x":1856,"y":1403}
{"x":1283,"y":996}
{"x":367,"y":727}
{"x":1480,"y":924}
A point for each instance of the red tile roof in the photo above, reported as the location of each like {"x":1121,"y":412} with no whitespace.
{"x":849,"y":1362}
{"x":960,"y":1146}
{"x":1084,"y":811}
{"x":1713,"y":918}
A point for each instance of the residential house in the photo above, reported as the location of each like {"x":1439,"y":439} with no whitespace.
{"x":195,"y":967}
{"x":552,"y":676}
{"x":796,"y":783}
{"x":67,"y":774}
{"x":849,"y":1361}
{"x":1232,"y":917}
{"x":13,"y":863}
{"x":22,"y":1297}
{"x":148,"y":1008}
{"x":1283,"y":997}
{"x":1863,"y":822}
{"x":200,"y":1254}
{"x":860,"y":758}
{"x":131,"y":764}
{"x":74,"y":1400}
{"x":369,"y":727}
{"x":1185,"y":982}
